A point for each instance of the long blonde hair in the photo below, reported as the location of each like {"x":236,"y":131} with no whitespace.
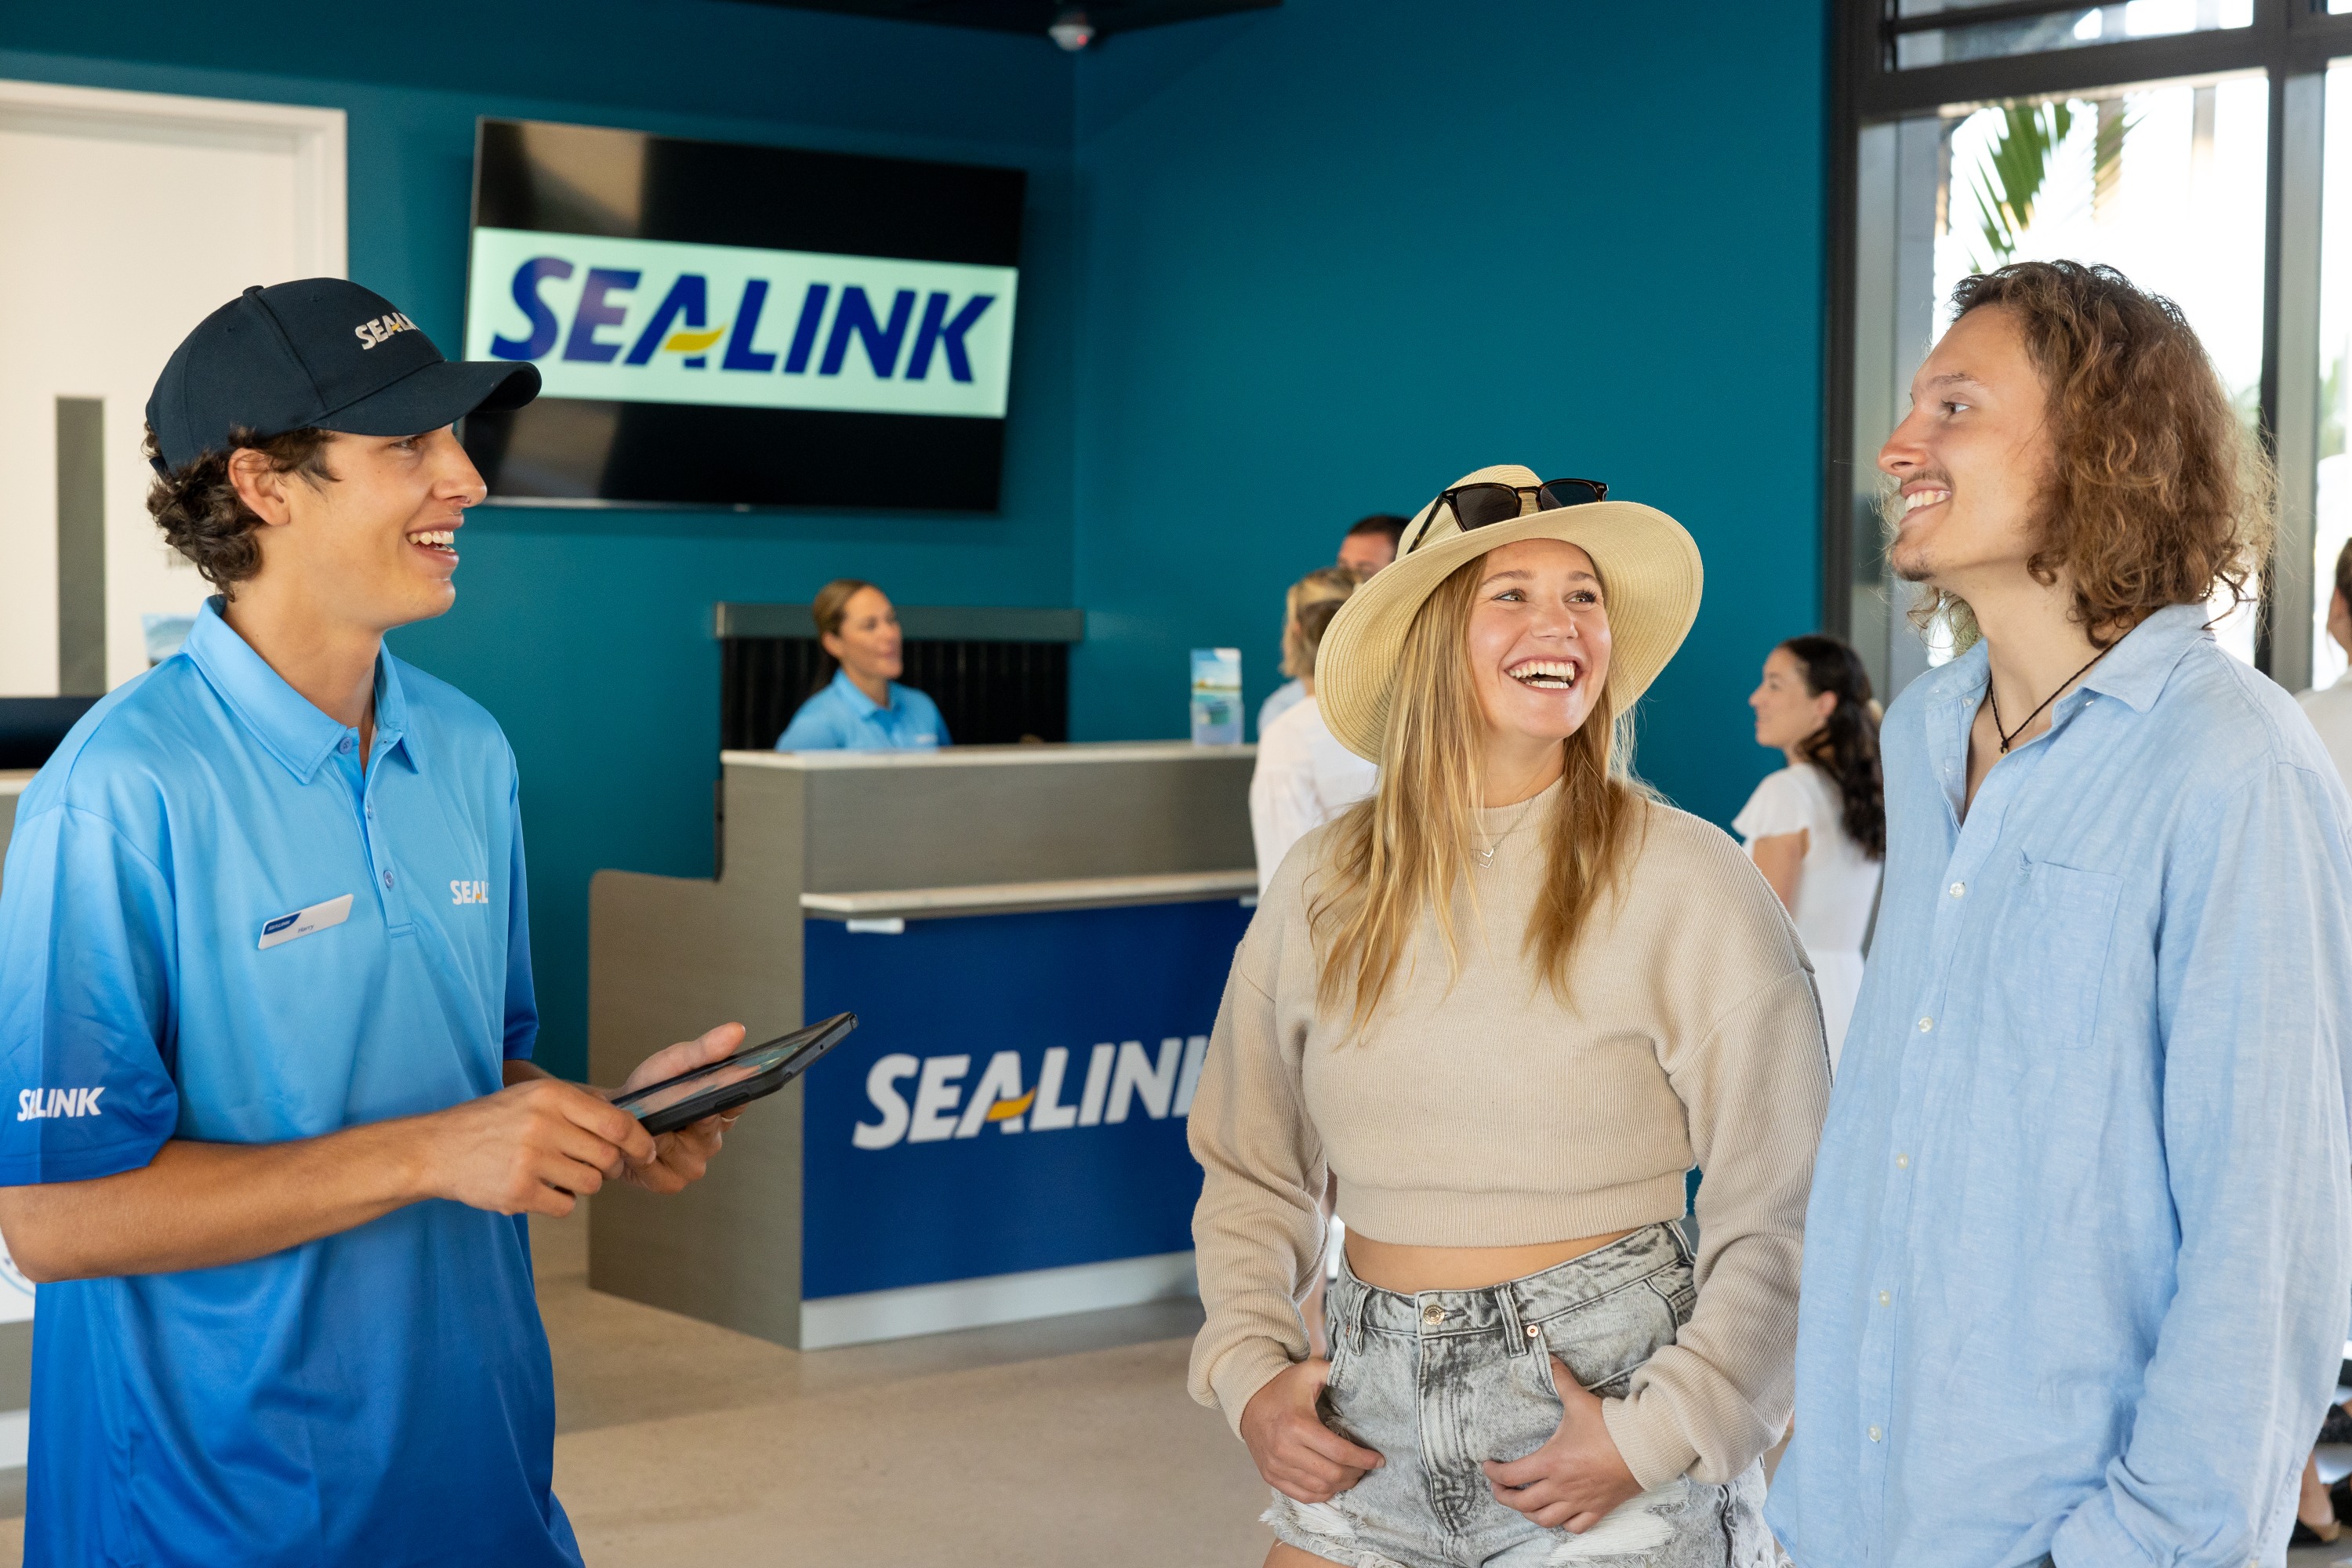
{"x":1403,"y":850}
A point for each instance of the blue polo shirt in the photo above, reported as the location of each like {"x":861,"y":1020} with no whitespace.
{"x":843,"y":719}
{"x":382,"y":1395}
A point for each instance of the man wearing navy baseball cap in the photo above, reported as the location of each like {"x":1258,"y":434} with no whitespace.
{"x":265,"y":1010}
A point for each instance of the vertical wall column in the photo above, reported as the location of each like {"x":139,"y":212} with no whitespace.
{"x":82,"y":547}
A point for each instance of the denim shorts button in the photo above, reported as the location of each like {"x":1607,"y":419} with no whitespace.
{"x":1432,"y":1314}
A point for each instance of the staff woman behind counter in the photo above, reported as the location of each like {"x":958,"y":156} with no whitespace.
{"x":863,"y":707}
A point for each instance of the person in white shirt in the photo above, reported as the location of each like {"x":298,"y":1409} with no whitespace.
{"x":1816,"y":829}
{"x":1303,"y":777}
{"x":1371,"y":543}
{"x":2330,"y":708}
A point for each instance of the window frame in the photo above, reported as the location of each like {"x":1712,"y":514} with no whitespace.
{"x":2292,"y":43}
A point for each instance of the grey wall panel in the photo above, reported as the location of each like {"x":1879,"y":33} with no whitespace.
{"x":925,"y":827}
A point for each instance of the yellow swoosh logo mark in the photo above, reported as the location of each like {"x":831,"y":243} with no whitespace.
{"x":694,"y":342}
{"x":1006,"y":1110}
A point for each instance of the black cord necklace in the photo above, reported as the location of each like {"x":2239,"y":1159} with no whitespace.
{"x":1994,"y":697}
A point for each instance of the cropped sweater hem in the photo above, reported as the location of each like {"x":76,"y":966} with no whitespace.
{"x":1494,"y":1217}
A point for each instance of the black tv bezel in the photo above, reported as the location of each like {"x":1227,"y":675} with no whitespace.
{"x":913,"y":208}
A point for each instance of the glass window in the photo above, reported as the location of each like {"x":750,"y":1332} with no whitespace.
{"x":2072,"y":27}
{"x":2165,"y":184}
{"x":2332,"y":501}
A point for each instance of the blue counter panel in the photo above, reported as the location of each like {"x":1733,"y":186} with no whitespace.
{"x":1013,"y":1097}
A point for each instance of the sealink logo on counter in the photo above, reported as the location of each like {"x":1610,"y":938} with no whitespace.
{"x":644,"y":321}
{"x":1122,"y":1081}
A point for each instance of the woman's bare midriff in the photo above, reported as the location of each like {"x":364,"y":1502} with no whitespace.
{"x":1406,"y":1269}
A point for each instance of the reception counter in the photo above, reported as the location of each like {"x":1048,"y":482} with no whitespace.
{"x":1035,"y":939}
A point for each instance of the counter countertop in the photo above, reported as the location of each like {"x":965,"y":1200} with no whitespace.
{"x":989,"y":756}
{"x":14,"y":780}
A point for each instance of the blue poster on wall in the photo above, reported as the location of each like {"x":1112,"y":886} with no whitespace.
{"x":1015,"y":1093}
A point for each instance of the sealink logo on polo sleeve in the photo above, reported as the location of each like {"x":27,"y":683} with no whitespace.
{"x":647,"y":321}
{"x":41,"y":1104}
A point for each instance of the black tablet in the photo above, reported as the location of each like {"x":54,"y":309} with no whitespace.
{"x":739,"y":1080}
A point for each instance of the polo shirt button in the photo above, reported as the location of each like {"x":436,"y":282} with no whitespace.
{"x":387,"y":878}
{"x":1432,"y":1314}
{"x":344,"y":745}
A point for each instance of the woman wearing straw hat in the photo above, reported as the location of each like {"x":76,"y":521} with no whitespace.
{"x":1509,"y":1002}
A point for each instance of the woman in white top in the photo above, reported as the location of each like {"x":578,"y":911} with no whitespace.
{"x":1303,"y":777}
{"x":1816,"y":829}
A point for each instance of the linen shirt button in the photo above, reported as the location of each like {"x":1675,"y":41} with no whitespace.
{"x":1884,"y":1298}
{"x":1959,"y":888}
{"x":1432,"y":1314}
{"x":1926,"y":1026}
{"x":1873,"y":1434}
{"x":1902,"y":1162}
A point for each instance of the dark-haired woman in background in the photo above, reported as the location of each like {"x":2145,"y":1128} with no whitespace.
{"x":1816,"y":829}
{"x":863,"y":707}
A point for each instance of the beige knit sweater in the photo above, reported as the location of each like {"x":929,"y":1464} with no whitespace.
{"x":1486,"y":1113}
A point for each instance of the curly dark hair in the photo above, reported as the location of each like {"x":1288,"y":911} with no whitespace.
{"x":198,"y":510}
{"x":2158,"y":491}
{"x":1846,"y":745}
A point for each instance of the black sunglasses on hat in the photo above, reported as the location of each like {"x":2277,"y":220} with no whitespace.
{"x":317,"y":354}
{"x":1491,"y":502}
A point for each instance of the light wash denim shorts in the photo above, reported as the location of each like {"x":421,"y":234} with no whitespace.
{"x":1439,"y":1381}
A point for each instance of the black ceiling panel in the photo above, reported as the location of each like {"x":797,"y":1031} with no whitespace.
{"x":1031,"y":15}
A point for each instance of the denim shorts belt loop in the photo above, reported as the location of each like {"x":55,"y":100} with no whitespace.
{"x":1439,"y":1382}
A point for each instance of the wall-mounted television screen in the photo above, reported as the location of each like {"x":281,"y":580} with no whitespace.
{"x":726,"y":325}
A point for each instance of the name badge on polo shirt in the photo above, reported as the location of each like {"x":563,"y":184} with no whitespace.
{"x":302,"y":922}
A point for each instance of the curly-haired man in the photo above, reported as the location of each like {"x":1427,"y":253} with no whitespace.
{"x":2080,"y":1243}
{"x":265,"y":1010}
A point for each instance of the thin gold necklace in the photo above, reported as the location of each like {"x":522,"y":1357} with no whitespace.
{"x":1484,"y":859}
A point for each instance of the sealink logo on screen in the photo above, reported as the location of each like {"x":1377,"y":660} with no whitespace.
{"x":681,"y":325}
{"x":663,"y":322}
{"x":1122,"y":1082}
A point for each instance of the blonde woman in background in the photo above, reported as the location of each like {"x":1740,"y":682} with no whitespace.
{"x":1510,"y":1001}
{"x":1303,"y":777}
{"x":1817,"y":828}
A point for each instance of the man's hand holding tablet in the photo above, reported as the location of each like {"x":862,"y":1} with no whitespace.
{"x":681,"y":1157}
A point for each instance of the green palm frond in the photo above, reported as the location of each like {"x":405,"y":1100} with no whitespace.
{"x":2008,"y":185}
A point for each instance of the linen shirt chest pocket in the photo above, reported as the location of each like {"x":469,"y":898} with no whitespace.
{"x":2049,"y":956}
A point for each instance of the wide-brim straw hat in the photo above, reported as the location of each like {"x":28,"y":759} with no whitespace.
{"x":1649,"y":580}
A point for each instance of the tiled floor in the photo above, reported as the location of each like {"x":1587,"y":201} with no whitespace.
{"x":1039,"y":1445}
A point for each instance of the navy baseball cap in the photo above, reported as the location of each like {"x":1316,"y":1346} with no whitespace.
{"x":319,"y":352}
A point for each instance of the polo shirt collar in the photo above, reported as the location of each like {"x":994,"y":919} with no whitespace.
{"x":865,"y":707}
{"x":290,"y":727}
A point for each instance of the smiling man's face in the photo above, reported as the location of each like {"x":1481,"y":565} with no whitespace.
{"x":1972,"y":456}
{"x":375,"y":546}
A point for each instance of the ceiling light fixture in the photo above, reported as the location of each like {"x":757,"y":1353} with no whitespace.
{"x":1071,"y":29}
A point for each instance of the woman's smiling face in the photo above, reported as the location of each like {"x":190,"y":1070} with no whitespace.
{"x":1539,"y":639}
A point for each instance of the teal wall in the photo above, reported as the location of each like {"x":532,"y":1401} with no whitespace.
{"x":588,"y":634}
{"x":1278,"y":271}
{"x":1337,"y":255}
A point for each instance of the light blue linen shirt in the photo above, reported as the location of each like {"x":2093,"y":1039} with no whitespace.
{"x":842,"y":717}
{"x":2081,"y":1231}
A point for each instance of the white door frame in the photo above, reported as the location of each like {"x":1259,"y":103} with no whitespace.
{"x":315,"y":137}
